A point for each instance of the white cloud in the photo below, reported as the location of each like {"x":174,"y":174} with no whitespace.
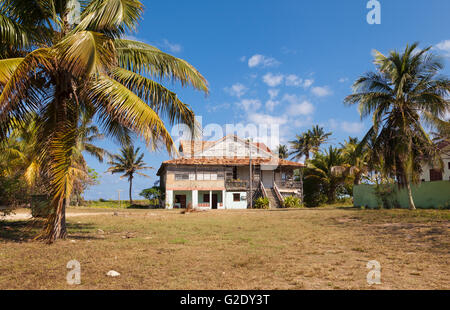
{"x":307,"y":83}
{"x":271,"y":104}
{"x":321,"y":91}
{"x":250,"y":104}
{"x":236,"y":90}
{"x":444,"y":46}
{"x":243,"y":59}
{"x":348,"y":127}
{"x":260,"y":118}
{"x":273,"y":93}
{"x":343,"y":80}
{"x":294,"y":80}
{"x":297,"y":106}
{"x":273,"y":80}
{"x":262,"y":61}
{"x":352,"y":127}
{"x":173,"y":47}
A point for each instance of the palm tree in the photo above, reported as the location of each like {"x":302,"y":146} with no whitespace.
{"x":318,"y":136}
{"x":57,"y":67}
{"x":129,"y":162}
{"x":301,"y":146}
{"x":356,"y":160}
{"x":320,"y":169}
{"x":308,"y":142}
{"x":400,"y":96}
{"x":283,"y":151}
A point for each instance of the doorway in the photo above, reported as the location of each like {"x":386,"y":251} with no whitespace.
{"x":214,"y":201}
{"x":267,"y":178}
{"x":180,"y":201}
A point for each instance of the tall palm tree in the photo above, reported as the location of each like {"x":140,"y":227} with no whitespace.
{"x":318,"y":136}
{"x":320,"y":169}
{"x":57,"y":67}
{"x":129,"y":162}
{"x":301,"y":146}
{"x":400,"y":96}
{"x":283,"y":151}
{"x":308,"y":142}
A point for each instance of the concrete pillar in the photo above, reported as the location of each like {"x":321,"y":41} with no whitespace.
{"x":194,"y":198}
{"x":169,"y":199}
{"x":210,"y":199}
{"x":224,"y":199}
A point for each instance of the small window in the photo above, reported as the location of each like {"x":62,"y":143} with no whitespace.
{"x":283,"y":176}
{"x":206,"y":176}
{"x":448,"y":165}
{"x":220,"y":177}
{"x":236,"y":197}
{"x":192,"y":177}
{"x":200,"y":176}
{"x":213,"y":177}
{"x":206,"y":198}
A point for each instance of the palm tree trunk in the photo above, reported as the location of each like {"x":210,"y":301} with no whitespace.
{"x":131,"y":186}
{"x":412,"y":206}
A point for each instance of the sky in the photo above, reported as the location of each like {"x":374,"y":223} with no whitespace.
{"x":288,"y":63}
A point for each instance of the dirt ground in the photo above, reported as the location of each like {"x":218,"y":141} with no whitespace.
{"x":251,"y":249}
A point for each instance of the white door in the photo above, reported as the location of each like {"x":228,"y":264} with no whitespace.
{"x":267,"y":178}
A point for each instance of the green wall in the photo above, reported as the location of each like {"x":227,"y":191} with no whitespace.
{"x":427,"y":195}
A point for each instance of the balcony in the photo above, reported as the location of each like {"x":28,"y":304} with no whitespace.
{"x":236,"y":185}
{"x":289,"y":185}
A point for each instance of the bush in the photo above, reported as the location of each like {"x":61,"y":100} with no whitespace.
{"x":313,"y":193}
{"x":262,"y":203}
{"x":292,"y":202}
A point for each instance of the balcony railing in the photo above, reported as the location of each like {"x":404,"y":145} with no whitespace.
{"x":236,"y":185}
{"x":289,"y":185}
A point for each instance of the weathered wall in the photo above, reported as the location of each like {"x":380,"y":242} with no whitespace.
{"x":427,"y":195}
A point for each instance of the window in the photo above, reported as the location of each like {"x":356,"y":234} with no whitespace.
{"x":235,"y":173}
{"x":448,"y":165}
{"x":283,"y":176}
{"x":180,"y":176}
{"x":206,"y":198}
{"x":213,"y":176}
{"x":220,"y":176}
{"x":191,"y":176}
{"x":199,"y":176}
{"x":236,"y":197}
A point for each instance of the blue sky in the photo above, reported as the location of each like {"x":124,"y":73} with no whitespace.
{"x":287,"y":62}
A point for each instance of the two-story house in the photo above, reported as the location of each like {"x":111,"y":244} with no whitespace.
{"x":224,"y":173}
{"x":431,"y":174}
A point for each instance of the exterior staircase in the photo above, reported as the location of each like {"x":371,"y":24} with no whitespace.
{"x":273,"y":200}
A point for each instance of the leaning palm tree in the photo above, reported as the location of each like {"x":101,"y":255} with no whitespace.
{"x":58,"y":66}
{"x":301,"y":146}
{"x":129,"y":163}
{"x":404,"y":93}
{"x":283,"y":151}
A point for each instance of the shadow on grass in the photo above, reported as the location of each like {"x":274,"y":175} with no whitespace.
{"x":27,"y":230}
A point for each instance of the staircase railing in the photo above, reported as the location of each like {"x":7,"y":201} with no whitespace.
{"x":263,"y":189}
{"x":278,"y":194}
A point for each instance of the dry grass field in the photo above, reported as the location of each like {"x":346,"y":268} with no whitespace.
{"x":285,"y":249}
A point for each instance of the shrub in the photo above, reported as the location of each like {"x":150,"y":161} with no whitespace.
{"x":292,"y":202}
{"x":262,"y":203}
